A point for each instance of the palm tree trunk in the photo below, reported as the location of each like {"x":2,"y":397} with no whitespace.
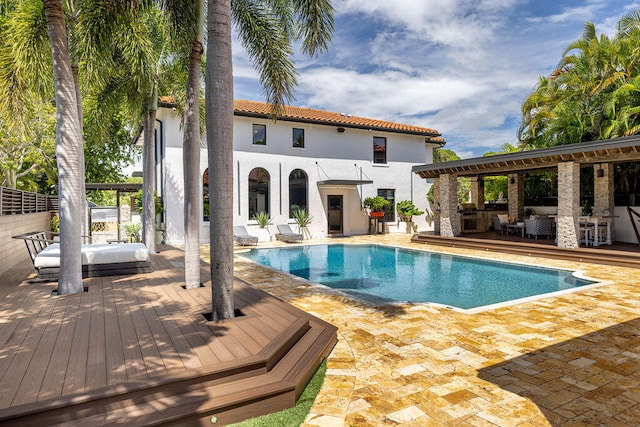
{"x":68,"y":153}
{"x":149,"y":176}
{"x":76,"y":81}
{"x":191,"y":161}
{"x":219,"y":120}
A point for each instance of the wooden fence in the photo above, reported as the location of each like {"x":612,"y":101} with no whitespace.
{"x":16,"y":202}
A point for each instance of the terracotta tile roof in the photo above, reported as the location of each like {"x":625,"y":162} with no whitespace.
{"x":310,"y":115}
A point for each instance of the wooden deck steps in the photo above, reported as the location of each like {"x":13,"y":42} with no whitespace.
{"x":273,"y":350}
{"x":528,"y":248}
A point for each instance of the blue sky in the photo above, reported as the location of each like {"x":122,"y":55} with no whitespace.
{"x":462,"y":67}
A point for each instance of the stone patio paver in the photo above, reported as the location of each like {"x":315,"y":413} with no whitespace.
{"x":567,"y":360}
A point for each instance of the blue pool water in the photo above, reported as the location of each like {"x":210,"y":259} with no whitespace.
{"x":407,"y":275}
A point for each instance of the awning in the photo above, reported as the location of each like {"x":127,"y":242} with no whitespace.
{"x":342,"y":182}
{"x":125,"y":187}
{"x":615,"y":150}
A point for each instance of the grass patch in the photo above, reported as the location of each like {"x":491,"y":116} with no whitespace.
{"x":292,"y":416}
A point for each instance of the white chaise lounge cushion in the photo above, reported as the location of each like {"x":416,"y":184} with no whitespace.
{"x":95,"y":254}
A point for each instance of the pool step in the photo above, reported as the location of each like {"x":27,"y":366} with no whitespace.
{"x":589,"y":255}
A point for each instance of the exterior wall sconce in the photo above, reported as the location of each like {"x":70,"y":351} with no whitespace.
{"x":512,"y":180}
{"x":600,"y":171}
{"x":340,"y":130}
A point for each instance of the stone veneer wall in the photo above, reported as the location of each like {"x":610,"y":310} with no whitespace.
{"x":14,"y":251}
{"x":436,"y":206}
{"x":603,"y":191}
{"x":568,"y":204}
{"x":477,"y":192}
{"x":516,"y":195}
{"x":449,"y":217}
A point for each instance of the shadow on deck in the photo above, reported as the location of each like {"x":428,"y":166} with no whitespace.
{"x":618,"y":254}
{"x":137,"y":349}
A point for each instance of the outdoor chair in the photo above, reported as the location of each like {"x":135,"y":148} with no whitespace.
{"x":97,"y":259}
{"x":285,"y":234}
{"x":243,"y":238}
{"x":539,"y":227}
{"x":498,"y":225}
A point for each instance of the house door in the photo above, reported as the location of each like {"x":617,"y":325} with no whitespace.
{"x":334,"y":214}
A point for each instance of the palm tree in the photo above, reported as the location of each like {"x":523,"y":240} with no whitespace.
{"x":267,"y":33}
{"x":68,"y":152}
{"x":191,"y":155}
{"x":93,"y":41}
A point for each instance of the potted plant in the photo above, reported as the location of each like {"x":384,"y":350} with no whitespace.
{"x":376,"y":205}
{"x":133,"y":231}
{"x":406,"y":210}
{"x":264,"y":220}
{"x":303,"y":219}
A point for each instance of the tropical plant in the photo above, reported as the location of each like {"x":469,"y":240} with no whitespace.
{"x":406,"y":210}
{"x":158,"y":209}
{"x":376,"y":204}
{"x":133,"y":231}
{"x":593,"y":93}
{"x":302,"y":217}
{"x":267,"y":29}
{"x":55,"y":223}
{"x":262,"y":218}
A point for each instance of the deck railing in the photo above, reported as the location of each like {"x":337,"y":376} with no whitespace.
{"x":16,"y":202}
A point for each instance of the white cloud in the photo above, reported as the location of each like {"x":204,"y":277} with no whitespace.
{"x":463,"y":67}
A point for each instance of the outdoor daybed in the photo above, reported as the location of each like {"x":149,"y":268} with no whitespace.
{"x":97,"y":259}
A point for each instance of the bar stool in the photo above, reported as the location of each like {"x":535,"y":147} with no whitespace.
{"x":585,"y":228}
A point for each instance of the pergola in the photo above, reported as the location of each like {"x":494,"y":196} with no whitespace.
{"x":566,"y":159}
{"x":118,"y":188}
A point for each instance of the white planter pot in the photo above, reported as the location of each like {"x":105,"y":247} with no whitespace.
{"x":263,"y":234}
{"x":410,"y":227}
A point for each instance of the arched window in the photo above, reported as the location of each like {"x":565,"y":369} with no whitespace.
{"x":297,"y":191}
{"x":258,"y":191}
{"x":205,"y":195}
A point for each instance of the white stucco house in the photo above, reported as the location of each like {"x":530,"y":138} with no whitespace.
{"x":324,"y":162}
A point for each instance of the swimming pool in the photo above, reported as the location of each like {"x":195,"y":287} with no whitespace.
{"x":399,"y":274}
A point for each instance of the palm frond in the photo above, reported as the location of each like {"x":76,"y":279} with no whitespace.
{"x":269,"y":48}
{"x":316,"y":25}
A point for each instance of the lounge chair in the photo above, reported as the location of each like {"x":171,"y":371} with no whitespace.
{"x":285,"y":234}
{"x":97,"y":259}
{"x":243,"y":238}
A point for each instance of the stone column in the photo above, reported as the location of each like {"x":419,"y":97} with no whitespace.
{"x":568,"y":204}
{"x":449,"y":217}
{"x":477,"y":191}
{"x":603,"y":191}
{"x":515,"y":195}
{"x":436,"y":206}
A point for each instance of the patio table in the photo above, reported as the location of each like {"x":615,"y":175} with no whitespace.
{"x":515,"y":227}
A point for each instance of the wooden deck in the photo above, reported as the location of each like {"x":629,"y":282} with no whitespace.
{"x":137,"y":349}
{"x":618,"y":254}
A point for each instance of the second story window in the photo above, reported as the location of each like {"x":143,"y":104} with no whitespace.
{"x":298,"y":138}
{"x":259,"y":135}
{"x":379,"y":149}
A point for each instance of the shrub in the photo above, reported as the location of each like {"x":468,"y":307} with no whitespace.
{"x":406,"y":209}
